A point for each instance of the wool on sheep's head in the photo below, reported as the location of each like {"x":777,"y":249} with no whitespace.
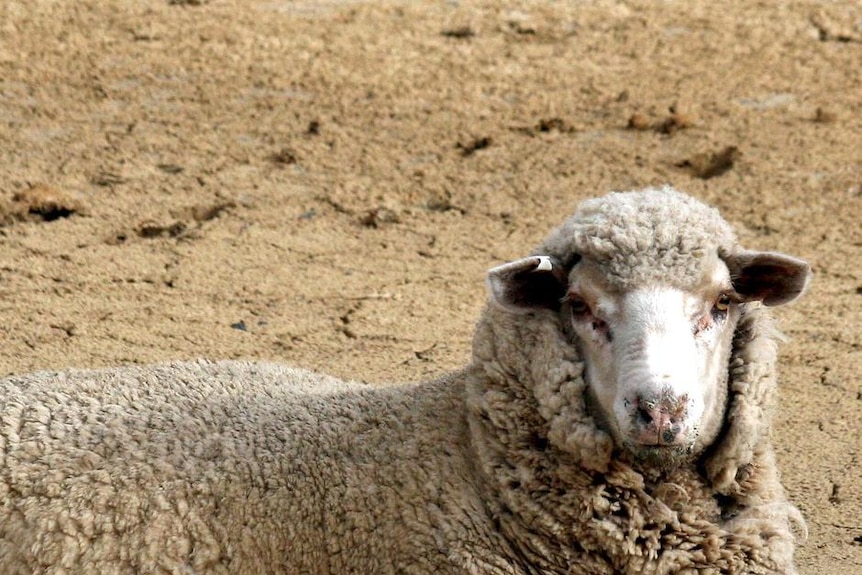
{"x":637,"y":239}
{"x":648,"y":318}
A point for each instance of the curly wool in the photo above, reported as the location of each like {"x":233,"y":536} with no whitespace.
{"x":236,"y":468}
{"x":635,"y":238}
{"x":566,"y":497}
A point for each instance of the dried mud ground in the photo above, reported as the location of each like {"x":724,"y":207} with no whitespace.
{"x":325,"y":183}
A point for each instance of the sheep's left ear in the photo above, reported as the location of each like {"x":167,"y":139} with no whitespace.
{"x":536,"y":282}
{"x":769,"y":277}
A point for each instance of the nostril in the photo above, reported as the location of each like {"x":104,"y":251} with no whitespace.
{"x":646,"y":413}
{"x":669,"y":434}
{"x":644,"y":417}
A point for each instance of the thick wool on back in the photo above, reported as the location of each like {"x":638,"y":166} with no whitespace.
{"x":236,"y":468}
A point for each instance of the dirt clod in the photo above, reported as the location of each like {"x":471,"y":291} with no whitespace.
{"x":171,"y":168}
{"x":711,"y":164}
{"x":639,"y":121}
{"x":43,"y":202}
{"x":474,"y":145}
{"x":546,"y":125}
{"x":379,"y":216}
{"x":460,"y":32}
{"x":207,"y":212}
{"x":287,"y":156}
{"x":149,"y":230}
{"x":674,"y":122}
{"x":824,"y":116}
{"x":670,"y":125}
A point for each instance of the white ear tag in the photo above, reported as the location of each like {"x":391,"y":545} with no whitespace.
{"x":544,"y":264}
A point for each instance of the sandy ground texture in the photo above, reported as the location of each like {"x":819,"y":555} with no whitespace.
{"x":326,"y":182}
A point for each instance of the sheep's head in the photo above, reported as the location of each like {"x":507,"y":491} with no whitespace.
{"x":649,"y":286}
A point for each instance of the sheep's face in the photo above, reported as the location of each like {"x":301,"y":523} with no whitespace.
{"x":656,"y":353}
{"x":656,"y":358}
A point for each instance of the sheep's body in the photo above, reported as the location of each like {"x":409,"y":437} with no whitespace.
{"x":248,"y":468}
{"x":255,"y":468}
{"x":231,"y":468}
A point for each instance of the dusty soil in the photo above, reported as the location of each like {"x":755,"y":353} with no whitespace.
{"x":325,"y":182}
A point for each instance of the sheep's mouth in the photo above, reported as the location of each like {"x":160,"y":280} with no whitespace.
{"x":661,"y":456}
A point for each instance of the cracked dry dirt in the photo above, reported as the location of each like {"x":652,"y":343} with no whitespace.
{"x":325,"y":183}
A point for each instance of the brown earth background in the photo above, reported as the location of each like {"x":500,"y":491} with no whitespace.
{"x":325,"y":182}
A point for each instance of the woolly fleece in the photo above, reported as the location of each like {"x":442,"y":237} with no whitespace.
{"x":652,"y":236}
{"x":235,"y":467}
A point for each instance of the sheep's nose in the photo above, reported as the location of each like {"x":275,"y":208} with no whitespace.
{"x":659,"y":420}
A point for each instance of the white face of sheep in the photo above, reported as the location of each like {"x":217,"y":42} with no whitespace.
{"x":656,"y":356}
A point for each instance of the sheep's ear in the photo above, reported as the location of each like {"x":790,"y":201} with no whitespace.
{"x":769,"y":277}
{"x":536,"y":282}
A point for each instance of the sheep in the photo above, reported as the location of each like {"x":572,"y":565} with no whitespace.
{"x":614,"y":419}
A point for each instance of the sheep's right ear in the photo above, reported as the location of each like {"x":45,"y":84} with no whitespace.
{"x":536,"y":282}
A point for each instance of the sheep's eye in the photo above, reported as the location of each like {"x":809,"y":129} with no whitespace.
{"x":722,"y":304}
{"x":578,"y":306}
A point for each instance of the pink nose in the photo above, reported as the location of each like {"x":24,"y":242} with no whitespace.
{"x":658,"y":421}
